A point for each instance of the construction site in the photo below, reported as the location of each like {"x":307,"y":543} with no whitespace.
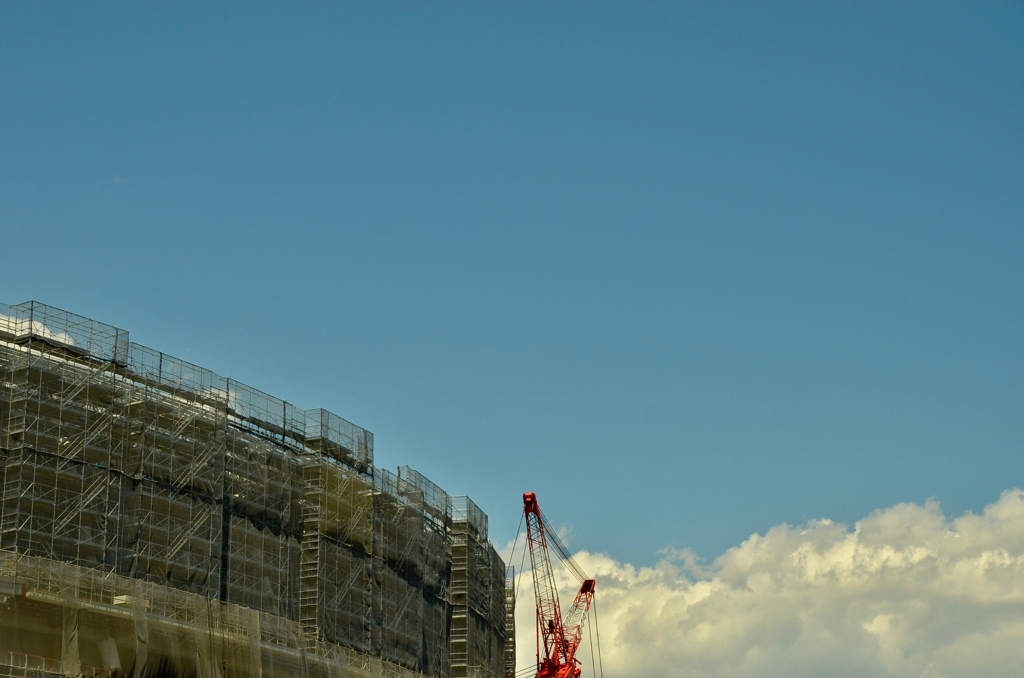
{"x":158,"y":519}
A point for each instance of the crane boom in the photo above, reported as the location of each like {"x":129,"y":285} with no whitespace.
{"x":557,"y":639}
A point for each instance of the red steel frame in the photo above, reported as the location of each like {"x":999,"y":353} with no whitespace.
{"x":557,"y":639}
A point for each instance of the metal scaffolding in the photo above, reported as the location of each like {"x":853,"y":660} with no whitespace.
{"x":478,"y":591}
{"x":161,"y":518}
{"x":335,"y":583}
{"x":435,"y":568}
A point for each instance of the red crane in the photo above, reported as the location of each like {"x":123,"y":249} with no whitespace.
{"x":557,"y":638}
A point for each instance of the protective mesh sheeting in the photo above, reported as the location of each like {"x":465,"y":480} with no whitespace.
{"x":335,"y":593}
{"x":397,"y":567}
{"x":177,"y":445}
{"x":172,"y":538}
{"x":261,"y":568}
{"x":64,"y":620}
{"x":411,"y":570}
{"x":496,"y":591}
{"x":435,"y":500}
{"x":478,"y":626}
{"x":176,"y":377}
{"x":262,"y":482}
{"x":264,"y":414}
{"x":436,"y":654}
{"x":398,"y":524}
{"x":69,"y":331}
{"x":480,"y":581}
{"x":67,"y":408}
{"x":465,"y":512}
{"x":437,"y":556}
{"x":330,"y":435}
{"x":337,"y":503}
{"x":59,"y":508}
{"x":398,"y":612}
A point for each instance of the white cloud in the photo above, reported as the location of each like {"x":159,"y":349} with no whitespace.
{"x":908,"y":592}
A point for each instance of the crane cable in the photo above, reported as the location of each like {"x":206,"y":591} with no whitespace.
{"x":512,"y":553}
{"x":563,"y":552}
{"x":518,"y":580}
{"x":593,"y":664}
{"x":599,"y":658}
{"x":522,"y":566}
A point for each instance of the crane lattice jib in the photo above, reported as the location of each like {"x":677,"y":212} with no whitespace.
{"x":573,"y":623}
{"x":556,"y":641}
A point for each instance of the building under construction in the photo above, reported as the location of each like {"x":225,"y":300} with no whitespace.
{"x":157,"y":519}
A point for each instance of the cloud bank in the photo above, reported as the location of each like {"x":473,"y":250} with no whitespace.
{"x":906,"y":592}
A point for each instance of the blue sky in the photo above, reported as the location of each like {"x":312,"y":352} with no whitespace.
{"x":687,"y":271}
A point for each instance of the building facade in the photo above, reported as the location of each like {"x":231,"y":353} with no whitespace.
{"x":157,"y":519}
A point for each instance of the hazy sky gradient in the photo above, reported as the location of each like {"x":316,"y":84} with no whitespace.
{"x":686,"y":270}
